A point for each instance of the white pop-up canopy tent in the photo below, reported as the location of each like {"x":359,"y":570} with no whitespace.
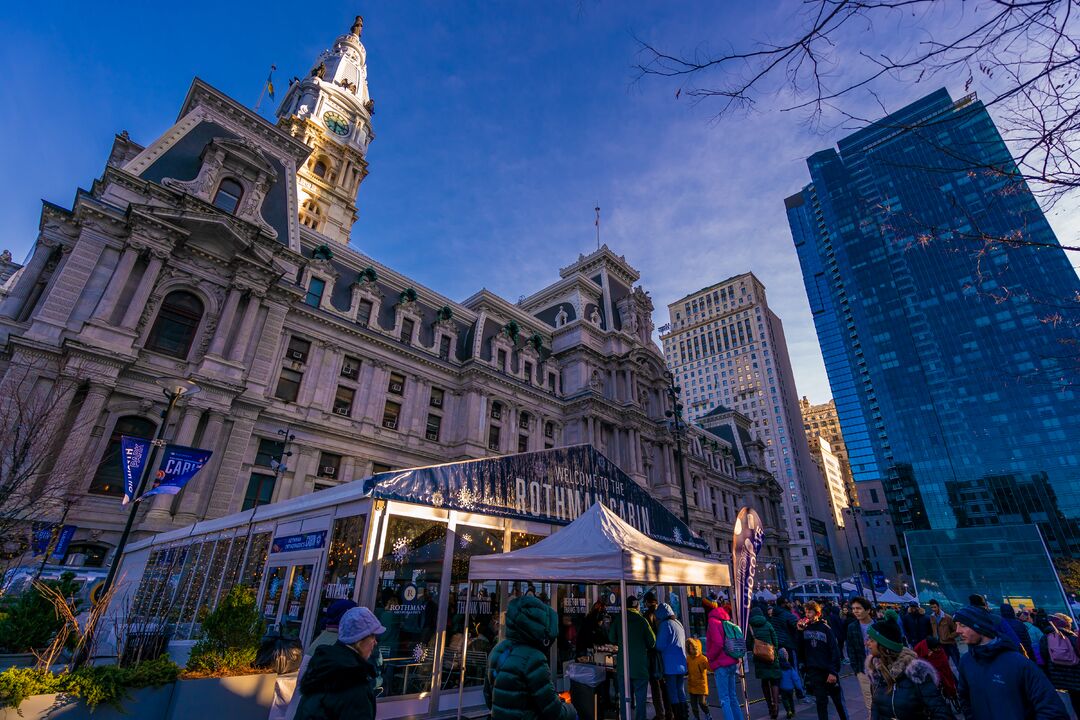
{"x":890,"y":596}
{"x":597,"y":547}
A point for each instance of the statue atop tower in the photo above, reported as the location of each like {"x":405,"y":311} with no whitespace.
{"x":330,"y":111}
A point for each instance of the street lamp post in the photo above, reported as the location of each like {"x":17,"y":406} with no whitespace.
{"x":675,"y":414}
{"x":173,"y":388}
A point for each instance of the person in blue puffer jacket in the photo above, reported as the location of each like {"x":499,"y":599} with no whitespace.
{"x":671,"y":644}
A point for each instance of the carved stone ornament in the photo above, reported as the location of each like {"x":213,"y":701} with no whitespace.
{"x":561,"y":317}
{"x":594,"y":317}
{"x":596,"y":382}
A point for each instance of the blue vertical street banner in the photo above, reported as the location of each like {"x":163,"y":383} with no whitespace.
{"x":43,"y":534}
{"x":748,"y":537}
{"x":178,"y":465}
{"x":781,"y":578}
{"x":134,"y":454}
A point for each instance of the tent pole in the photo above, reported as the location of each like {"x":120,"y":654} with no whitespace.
{"x":625,"y":653}
{"x":464,"y":649}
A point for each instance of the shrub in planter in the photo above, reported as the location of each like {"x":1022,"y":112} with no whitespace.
{"x":93,"y":685}
{"x":231,"y":636}
{"x":30,"y":620}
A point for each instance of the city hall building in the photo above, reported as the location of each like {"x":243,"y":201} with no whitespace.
{"x":219,"y":253}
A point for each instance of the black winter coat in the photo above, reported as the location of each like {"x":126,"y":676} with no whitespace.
{"x":818,"y":650}
{"x":787,"y":631}
{"x":856,"y":646}
{"x":916,"y":627}
{"x":338,"y":684}
{"x":915,"y":694}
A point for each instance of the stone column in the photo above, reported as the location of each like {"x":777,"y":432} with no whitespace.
{"x":192,"y":496}
{"x":117,"y":283}
{"x":227,"y":492}
{"x":71,"y":466}
{"x":228,"y":315}
{"x":185,"y":433}
{"x":13,"y":304}
{"x":142,"y":292}
{"x":247,"y":326}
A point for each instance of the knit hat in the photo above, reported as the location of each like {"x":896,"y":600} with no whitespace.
{"x":333,"y":614}
{"x":887,"y":634}
{"x":708,"y":604}
{"x":978,"y":619}
{"x":891,"y":614}
{"x":356,"y":624}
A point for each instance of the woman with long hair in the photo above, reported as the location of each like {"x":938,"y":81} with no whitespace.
{"x":904,"y":687}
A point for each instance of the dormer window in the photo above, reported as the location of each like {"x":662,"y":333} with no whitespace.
{"x":228,"y":195}
{"x":319,"y":169}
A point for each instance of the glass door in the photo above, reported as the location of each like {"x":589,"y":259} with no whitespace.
{"x":285,"y":597}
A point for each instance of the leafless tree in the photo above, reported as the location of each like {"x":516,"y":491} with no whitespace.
{"x":37,"y":481}
{"x":1022,"y":56}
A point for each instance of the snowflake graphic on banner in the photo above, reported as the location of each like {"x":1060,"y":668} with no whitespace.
{"x":678,"y":535}
{"x":466,"y":498}
{"x":418,"y":653}
{"x":437,"y":498}
{"x":401,"y":549}
{"x":464,"y":541}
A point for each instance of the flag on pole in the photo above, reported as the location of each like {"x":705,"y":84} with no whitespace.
{"x":270,"y":82}
{"x":134,"y":452}
{"x":178,"y":465}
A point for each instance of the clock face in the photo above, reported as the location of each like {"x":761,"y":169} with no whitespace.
{"x":336,"y":123}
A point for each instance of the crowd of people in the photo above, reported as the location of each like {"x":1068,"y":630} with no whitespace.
{"x":918,"y":664}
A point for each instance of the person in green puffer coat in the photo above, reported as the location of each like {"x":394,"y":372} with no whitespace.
{"x":767,"y":672}
{"x":517,"y":684}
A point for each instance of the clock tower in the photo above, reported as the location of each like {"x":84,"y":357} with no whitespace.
{"x":330,"y":111}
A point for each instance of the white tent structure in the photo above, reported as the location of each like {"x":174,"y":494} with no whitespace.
{"x":597,"y":547}
{"x":765,"y":595}
{"x":890,"y":596}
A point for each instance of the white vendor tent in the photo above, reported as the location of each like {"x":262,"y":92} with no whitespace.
{"x":890,"y":596}
{"x":597,"y":547}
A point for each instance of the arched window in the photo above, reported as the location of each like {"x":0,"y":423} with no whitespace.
{"x":176,"y":323}
{"x":228,"y":195}
{"x":109,"y":480}
{"x":319,"y":169}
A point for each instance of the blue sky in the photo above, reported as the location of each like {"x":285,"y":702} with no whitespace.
{"x":498,"y":128}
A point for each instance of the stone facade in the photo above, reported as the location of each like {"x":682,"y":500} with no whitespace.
{"x":196,"y":256}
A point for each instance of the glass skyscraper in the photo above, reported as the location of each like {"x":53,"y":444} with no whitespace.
{"x":953,"y":357}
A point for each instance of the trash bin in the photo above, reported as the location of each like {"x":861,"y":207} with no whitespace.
{"x":588,"y":689}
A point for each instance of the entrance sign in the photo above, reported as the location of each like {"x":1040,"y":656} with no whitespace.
{"x":304,"y":541}
{"x":552,"y":486}
{"x":748,"y":537}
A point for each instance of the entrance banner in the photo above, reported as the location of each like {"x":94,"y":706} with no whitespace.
{"x":134,"y":453}
{"x":552,"y":486}
{"x":178,"y":465}
{"x":748,"y":537}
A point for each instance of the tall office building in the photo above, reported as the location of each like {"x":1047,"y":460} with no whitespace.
{"x":953,"y":387}
{"x":727,"y":350}
{"x":822,"y":421}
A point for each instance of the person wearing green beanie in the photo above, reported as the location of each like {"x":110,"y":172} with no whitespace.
{"x":904,"y":687}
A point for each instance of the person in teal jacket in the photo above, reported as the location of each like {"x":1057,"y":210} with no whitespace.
{"x":640,"y":640}
{"x":518,"y":684}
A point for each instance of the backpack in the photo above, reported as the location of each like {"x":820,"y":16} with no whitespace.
{"x":734,"y":640}
{"x":1060,"y":649}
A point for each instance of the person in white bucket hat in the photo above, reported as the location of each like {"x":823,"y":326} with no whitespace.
{"x":340,"y":679}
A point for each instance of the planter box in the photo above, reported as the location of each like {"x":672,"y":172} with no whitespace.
{"x":17,"y":660}
{"x":149,"y":703}
{"x":242,"y":697}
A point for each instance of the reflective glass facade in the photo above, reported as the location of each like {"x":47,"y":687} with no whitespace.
{"x":952,"y":385}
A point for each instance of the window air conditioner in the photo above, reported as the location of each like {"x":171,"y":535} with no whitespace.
{"x":396,"y":388}
{"x":342,"y":411}
{"x":348,"y":371}
{"x":329,"y":470}
{"x":296,"y":354}
{"x":391,"y":424}
{"x":436,"y":402}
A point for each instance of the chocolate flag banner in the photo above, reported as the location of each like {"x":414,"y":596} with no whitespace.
{"x":134,"y":453}
{"x":748,"y":537}
{"x":178,"y":465}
